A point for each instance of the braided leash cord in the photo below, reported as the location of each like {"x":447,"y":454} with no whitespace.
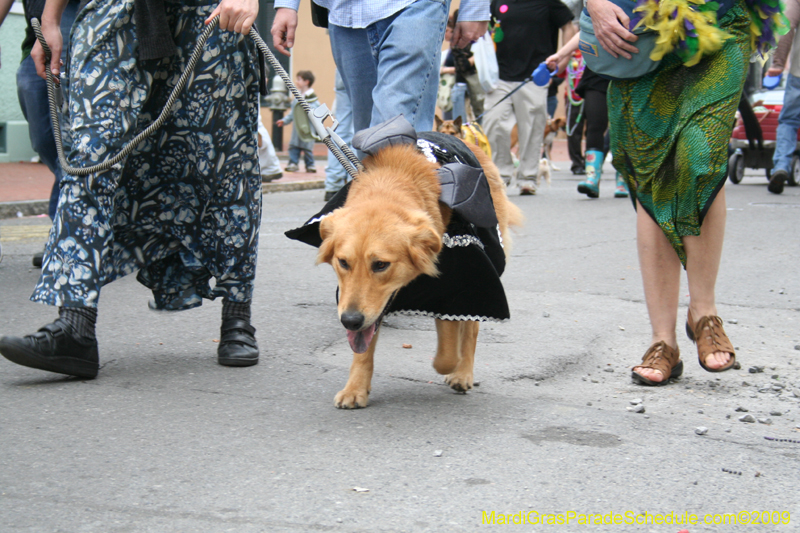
{"x":335,"y":144}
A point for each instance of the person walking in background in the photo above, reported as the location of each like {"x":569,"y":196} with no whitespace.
{"x":526,"y":33}
{"x":461,"y":62}
{"x":32,"y":96}
{"x":592,"y":88}
{"x":301,"y":141}
{"x":388,"y":53}
{"x":676,"y":182}
{"x":335,"y":175}
{"x":184,"y":208}
{"x":789,"y":118}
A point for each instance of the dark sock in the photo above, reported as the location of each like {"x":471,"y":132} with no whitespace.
{"x":235,"y":310}
{"x":81,"y":319}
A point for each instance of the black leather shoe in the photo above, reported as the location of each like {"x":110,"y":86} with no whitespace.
{"x":237,"y":344}
{"x":38,"y":258}
{"x":776,"y":181}
{"x":54,"y":348}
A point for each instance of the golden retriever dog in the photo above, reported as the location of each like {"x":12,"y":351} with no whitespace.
{"x":388,"y":232}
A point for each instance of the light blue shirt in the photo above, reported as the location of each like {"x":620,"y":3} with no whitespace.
{"x":362,"y":13}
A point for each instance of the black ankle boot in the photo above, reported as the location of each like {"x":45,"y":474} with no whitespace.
{"x":55,"y":348}
{"x":237,"y":343}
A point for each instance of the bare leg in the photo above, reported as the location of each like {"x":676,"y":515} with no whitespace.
{"x":703,"y":254}
{"x":661,"y":276}
{"x":356,"y":393}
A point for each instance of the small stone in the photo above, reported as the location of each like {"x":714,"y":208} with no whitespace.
{"x":728,"y":416}
{"x":699,"y":411}
{"x":638,"y":409}
{"x":622,"y":328}
{"x":737,"y":365}
{"x":797,"y":346}
{"x":728,"y":430}
{"x":438,"y":453}
{"x":546,"y":314}
{"x":407,"y":346}
{"x":742,"y":410}
{"x":647,"y":416}
{"x":747,"y":418}
{"x":636,"y":401}
{"x":595,"y":381}
{"x":777,"y":386}
{"x":702,"y":430}
{"x":755,"y":369}
{"x":775,"y":413}
{"x":589,"y":404}
{"x":745,"y":384}
{"x":796,"y":393}
{"x":733,"y":321}
{"x":775,"y":376}
{"x":766,"y":421}
{"x":608,"y":369}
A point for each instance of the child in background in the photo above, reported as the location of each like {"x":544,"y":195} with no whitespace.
{"x":301,"y":139}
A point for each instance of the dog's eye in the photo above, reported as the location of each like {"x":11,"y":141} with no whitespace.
{"x":343,"y":264}
{"x":380,"y":266}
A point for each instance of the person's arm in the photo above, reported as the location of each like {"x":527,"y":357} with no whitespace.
{"x":5,"y":7}
{"x":284,"y":25}
{"x":236,"y":15}
{"x":559,"y":59}
{"x":792,"y":13}
{"x":51,"y":30}
{"x":473,"y":21}
{"x":610,"y":25}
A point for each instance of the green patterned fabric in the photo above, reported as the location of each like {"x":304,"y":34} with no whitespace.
{"x":670,"y":131}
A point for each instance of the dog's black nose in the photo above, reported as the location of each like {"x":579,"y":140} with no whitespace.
{"x":352,"y":320}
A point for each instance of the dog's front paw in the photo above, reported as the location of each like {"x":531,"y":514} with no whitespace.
{"x":351,"y":399}
{"x":461,"y":382}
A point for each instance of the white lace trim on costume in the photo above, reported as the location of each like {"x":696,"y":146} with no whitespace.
{"x":426,"y":147}
{"x":440,"y":316}
{"x":460,"y":240}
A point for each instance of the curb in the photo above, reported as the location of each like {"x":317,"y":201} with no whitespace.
{"x":268,"y":188}
{"x":39,"y":207}
{"x":28,"y":208}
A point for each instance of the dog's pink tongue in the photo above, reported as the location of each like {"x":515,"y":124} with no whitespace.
{"x":359,"y":340}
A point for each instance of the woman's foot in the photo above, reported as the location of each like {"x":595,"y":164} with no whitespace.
{"x":660,"y":363}
{"x":714,"y":349}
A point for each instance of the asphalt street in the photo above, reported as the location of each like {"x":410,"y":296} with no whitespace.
{"x":166,"y":440}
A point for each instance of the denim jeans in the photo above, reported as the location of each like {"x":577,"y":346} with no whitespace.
{"x":392,"y":66}
{"x":459,"y":96}
{"x":32,"y":95}
{"x":335,"y":174}
{"x":788,"y":123}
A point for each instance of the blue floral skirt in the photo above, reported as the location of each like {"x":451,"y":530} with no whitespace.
{"x":186,"y":205}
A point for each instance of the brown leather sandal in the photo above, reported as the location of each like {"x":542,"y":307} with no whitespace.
{"x":710,"y":337}
{"x":662,"y":357}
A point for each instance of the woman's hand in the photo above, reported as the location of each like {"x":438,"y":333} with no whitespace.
{"x":611,"y":28}
{"x":236,"y":15}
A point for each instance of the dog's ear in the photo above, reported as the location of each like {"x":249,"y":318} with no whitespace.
{"x":457,"y":122}
{"x":424,"y":248}
{"x":326,"y":228}
{"x":437,"y":122}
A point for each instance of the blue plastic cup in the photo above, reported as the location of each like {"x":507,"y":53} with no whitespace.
{"x":770,"y":82}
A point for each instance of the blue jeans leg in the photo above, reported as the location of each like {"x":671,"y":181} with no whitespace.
{"x":459,"y":95}
{"x":308,"y":157}
{"x":32,"y":96}
{"x":294,"y":155}
{"x":788,"y":123}
{"x":392,"y":66}
{"x":335,"y":174}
